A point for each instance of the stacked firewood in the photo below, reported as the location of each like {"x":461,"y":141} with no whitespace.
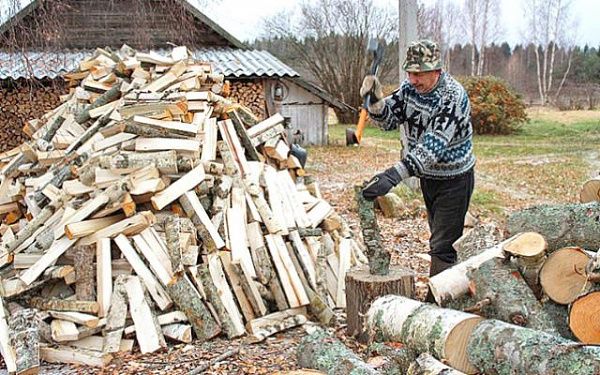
{"x":22,"y":101}
{"x":148,"y":209}
{"x":250,"y":94}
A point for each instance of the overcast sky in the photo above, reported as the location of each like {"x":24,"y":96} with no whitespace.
{"x":242,"y":18}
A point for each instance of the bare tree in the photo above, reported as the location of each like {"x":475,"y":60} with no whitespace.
{"x":440,"y":22}
{"x":549,"y":26}
{"x":329,"y":39}
{"x":482,"y":26}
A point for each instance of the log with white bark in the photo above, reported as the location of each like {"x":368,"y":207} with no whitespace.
{"x":426,"y":364}
{"x":187,"y":298}
{"x":423,"y":328}
{"x":453,"y":283}
{"x":25,"y":337}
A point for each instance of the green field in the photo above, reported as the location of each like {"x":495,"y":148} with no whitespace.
{"x":546,"y":162}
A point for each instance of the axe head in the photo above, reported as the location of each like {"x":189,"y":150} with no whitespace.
{"x":373,"y":45}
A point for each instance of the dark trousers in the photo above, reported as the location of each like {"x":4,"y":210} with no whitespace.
{"x":447,"y":202}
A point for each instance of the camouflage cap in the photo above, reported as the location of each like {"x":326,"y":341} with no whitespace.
{"x":422,"y":56}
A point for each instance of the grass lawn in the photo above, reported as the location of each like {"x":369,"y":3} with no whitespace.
{"x":547,"y":162}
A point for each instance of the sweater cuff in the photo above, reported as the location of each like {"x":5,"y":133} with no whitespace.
{"x":402,"y":170}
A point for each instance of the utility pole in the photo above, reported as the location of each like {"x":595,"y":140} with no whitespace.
{"x":407,"y":29}
{"x":408,"y":33}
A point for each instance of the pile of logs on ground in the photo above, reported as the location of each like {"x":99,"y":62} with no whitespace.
{"x":148,"y":209}
{"x":250,"y":94}
{"x":21,"y":101}
{"x":526,"y":305}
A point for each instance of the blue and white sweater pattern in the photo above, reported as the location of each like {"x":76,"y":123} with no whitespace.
{"x":438,"y":128}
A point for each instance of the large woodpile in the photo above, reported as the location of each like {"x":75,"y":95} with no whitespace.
{"x":250,"y":94}
{"x":24,"y":100}
{"x":149,"y":209}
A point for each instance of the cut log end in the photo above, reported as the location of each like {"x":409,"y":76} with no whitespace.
{"x":527,"y":244}
{"x":456,"y":345}
{"x":583,"y":318}
{"x":563,"y":275}
{"x":590,"y":192}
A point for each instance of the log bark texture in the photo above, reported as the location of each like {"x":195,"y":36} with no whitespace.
{"x":498,"y":348}
{"x":379,"y":258}
{"x":426,"y":364}
{"x":561,"y":225}
{"x":362,"y":288}
{"x":511,"y":298}
{"x":188,"y":300}
{"x":423,"y":328}
{"x":321,"y":351}
{"x":85,"y":287}
{"x":25,"y":337}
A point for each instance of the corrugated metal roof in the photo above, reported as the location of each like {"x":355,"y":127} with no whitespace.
{"x":244,"y":63}
{"x":228,"y":61}
{"x":39,"y":64}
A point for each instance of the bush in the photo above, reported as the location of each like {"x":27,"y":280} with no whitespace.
{"x":495,"y":108}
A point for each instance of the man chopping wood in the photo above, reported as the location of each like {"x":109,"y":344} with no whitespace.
{"x":436,"y":113}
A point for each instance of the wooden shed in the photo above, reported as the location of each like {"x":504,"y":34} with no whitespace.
{"x":47,"y":38}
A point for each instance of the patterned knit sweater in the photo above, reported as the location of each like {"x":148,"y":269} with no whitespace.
{"x":438,"y":128}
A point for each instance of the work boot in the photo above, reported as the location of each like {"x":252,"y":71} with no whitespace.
{"x":437,"y":266}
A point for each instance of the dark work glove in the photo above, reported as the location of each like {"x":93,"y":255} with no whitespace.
{"x":381,"y":184}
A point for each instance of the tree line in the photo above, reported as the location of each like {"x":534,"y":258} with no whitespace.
{"x":326,"y":41}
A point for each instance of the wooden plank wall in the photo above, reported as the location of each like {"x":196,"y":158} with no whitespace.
{"x":99,"y":23}
{"x":306,"y":112}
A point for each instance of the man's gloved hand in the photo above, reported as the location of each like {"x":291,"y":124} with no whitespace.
{"x":371,"y":85}
{"x":381,"y":183}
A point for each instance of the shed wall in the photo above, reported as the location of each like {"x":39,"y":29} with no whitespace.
{"x":305,"y":112}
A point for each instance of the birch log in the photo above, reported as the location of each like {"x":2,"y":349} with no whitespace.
{"x":426,"y":364}
{"x":561,"y":225}
{"x":510,"y":298}
{"x":423,"y":328}
{"x":498,"y":348}
{"x":322,"y":352}
{"x":454,"y":282}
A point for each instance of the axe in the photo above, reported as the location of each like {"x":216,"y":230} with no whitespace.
{"x":354,"y":137}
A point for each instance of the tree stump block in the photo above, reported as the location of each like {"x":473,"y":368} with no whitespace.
{"x":362,"y":288}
